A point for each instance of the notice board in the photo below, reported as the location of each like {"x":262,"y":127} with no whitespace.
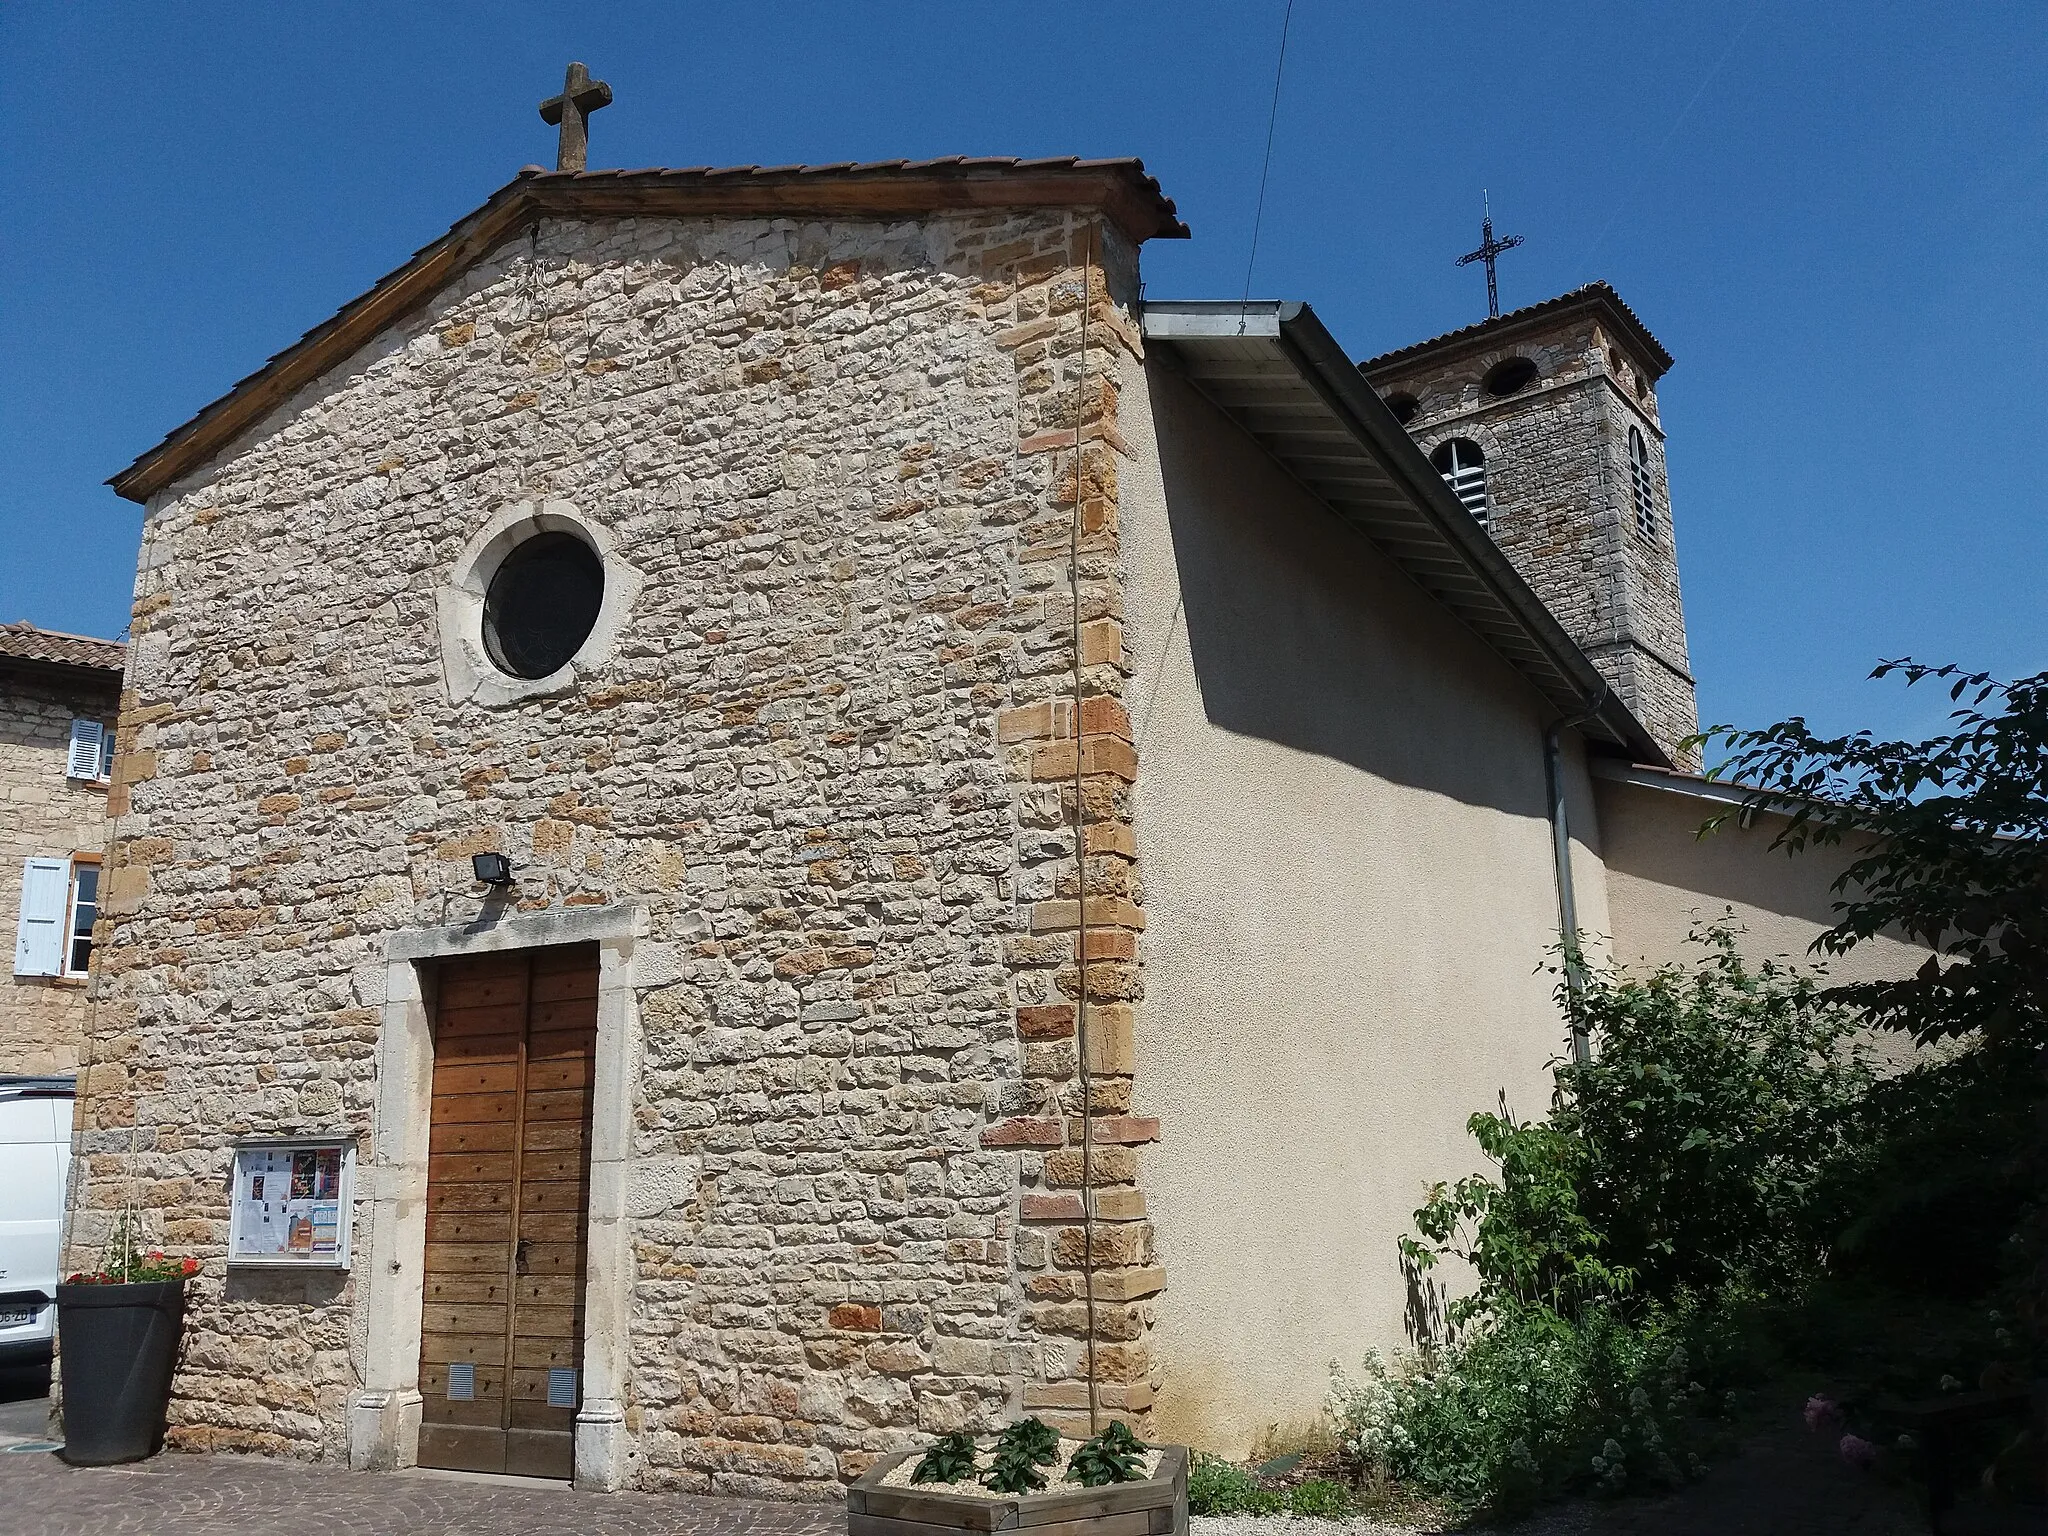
{"x":292,"y":1203}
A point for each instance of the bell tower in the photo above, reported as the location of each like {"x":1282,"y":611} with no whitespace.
{"x":1544,"y":422}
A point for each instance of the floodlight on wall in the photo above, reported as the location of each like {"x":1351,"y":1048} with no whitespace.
{"x":491,"y":868}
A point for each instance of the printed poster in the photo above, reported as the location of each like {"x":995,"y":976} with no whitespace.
{"x":288,"y":1203}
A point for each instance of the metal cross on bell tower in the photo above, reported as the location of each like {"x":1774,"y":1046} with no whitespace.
{"x":1489,"y":248}
{"x":580,"y":97}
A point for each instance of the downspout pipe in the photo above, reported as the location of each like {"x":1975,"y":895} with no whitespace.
{"x":1561,"y":859}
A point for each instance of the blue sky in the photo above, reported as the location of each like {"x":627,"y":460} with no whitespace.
{"x":1835,"y":216}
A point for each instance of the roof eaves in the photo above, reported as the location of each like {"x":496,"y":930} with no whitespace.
{"x":1120,"y":187}
{"x":1538,"y":644}
{"x":1594,"y":295}
{"x":26,"y":645}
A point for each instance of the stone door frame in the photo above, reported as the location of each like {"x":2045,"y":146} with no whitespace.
{"x":384,"y":1415}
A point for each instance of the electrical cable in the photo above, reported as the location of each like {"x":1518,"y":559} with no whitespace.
{"x":1266,"y":165}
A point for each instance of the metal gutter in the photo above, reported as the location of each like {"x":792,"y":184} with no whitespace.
{"x":1694,"y":787}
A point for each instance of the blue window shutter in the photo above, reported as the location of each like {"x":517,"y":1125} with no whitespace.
{"x":39,"y":934}
{"x":83,"y":761}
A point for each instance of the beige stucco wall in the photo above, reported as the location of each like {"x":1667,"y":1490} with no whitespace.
{"x":1663,"y":880}
{"x":1350,"y":892}
{"x":43,"y":814}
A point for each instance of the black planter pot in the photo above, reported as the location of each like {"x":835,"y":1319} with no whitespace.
{"x":116,"y":1347}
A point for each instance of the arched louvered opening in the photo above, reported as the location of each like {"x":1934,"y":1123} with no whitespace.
{"x":1463,"y":467}
{"x":1640,"y":483}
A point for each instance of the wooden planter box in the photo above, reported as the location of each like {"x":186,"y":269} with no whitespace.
{"x":1158,"y":1506}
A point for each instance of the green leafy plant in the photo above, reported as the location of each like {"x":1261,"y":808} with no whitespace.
{"x":1727,"y":1176}
{"x":1950,"y":844}
{"x":1522,"y":1233}
{"x":1687,"y":1168}
{"x":127,"y":1264}
{"x":1694,"y":1150}
{"x":1947,"y":844}
{"x":1020,"y":1451}
{"x":1529,"y":1404}
{"x":1217,"y":1487}
{"x":950,"y":1460}
{"x":1320,"y":1498}
{"x":1718,"y":1100}
{"x":1116,"y":1455}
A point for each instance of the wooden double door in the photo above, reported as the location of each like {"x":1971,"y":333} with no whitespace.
{"x":508,"y":1203}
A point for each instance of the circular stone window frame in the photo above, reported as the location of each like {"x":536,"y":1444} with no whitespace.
{"x":466,"y":663}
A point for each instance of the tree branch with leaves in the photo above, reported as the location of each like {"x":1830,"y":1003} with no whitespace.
{"x":1948,"y":844}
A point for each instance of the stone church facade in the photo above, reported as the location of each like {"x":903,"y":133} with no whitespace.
{"x":1013,"y":893}
{"x":813,"y":796}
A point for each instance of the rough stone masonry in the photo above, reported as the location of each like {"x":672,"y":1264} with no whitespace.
{"x":47,"y":681}
{"x":1558,"y":482}
{"x":833,"y":755}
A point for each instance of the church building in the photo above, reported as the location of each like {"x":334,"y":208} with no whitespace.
{"x":784,"y":820}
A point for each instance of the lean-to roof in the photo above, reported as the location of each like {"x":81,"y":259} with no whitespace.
{"x":1274,"y":369}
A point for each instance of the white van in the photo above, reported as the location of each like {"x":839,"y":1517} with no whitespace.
{"x":35,"y":1157}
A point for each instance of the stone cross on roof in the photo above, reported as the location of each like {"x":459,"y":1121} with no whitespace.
{"x":580,"y":97}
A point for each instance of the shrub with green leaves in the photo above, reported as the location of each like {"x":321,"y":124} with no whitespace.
{"x":1320,"y":1498}
{"x":1718,"y":1099}
{"x":1531,"y":1404}
{"x":1727,"y":1153}
{"x":1693,"y":1151}
{"x":1116,"y":1455}
{"x":1217,"y":1487}
{"x":1691,"y":1164}
{"x":950,"y":1460}
{"x":1020,"y":1451}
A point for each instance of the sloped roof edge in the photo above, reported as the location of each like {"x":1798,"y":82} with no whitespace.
{"x":1272,"y":367}
{"x":1594,"y":295}
{"x":876,"y":189}
{"x":25,"y":642}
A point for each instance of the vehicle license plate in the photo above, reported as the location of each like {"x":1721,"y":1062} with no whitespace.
{"x":14,"y":1317}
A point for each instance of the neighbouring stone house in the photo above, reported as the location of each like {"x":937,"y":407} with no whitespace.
{"x":59,"y":695}
{"x":1030,"y":822}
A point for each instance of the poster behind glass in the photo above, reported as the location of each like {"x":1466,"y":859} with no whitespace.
{"x":289,"y":1205}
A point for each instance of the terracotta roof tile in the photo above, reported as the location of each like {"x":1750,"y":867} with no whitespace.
{"x":1592,"y":294}
{"x":25,"y":642}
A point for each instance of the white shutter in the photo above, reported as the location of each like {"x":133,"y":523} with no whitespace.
{"x":84,"y":759}
{"x":39,"y":935}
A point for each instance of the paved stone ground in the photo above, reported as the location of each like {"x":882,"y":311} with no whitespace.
{"x":24,"y":1403}
{"x":174,"y":1495}
{"x":1785,"y":1483}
